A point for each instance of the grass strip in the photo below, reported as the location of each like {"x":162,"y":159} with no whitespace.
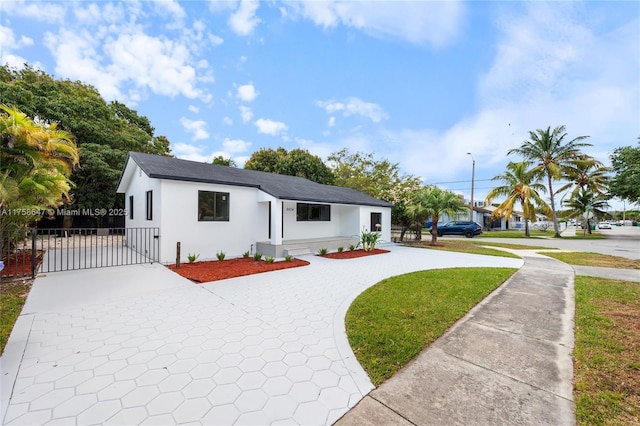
{"x":594,"y":259}
{"x":391,"y":322}
{"x":12,"y":298}
{"x":607,"y":352}
{"x":462,"y":247}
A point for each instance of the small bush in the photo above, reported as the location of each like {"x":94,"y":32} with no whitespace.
{"x":352,"y":247}
{"x":192,"y":257}
{"x":245,"y":255}
{"x":220,"y":255}
{"x":257,"y":256}
{"x":323,"y":251}
{"x":269,"y":259}
{"x":287,"y":258}
{"x":340,"y":249}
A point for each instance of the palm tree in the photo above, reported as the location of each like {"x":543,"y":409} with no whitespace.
{"x":35,"y":163}
{"x":553,"y":155}
{"x":586,"y":173}
{"x":432,"y":202}
{"x":521,"y":185}
{"x":584,"y":201}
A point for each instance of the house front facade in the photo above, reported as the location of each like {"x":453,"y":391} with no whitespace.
{"x":210,"y":208}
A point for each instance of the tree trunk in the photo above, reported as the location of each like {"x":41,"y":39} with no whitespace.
{"x":526,"y":227}
{"x":553,"y":208}
{"x":434,"y":230}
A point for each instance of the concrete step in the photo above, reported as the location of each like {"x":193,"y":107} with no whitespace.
{"x":298,"y":251}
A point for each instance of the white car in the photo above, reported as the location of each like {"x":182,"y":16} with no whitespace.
{"x":604,"y":225}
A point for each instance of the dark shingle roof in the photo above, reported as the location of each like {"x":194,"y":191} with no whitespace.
{"x":280,"y":186}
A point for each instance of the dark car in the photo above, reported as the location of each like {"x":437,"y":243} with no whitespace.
{"x":459,"y":227}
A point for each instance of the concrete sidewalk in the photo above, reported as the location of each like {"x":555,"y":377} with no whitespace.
{"x":506,"y":362}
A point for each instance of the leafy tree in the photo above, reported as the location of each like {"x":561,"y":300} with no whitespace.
{"x":625,"y":184}
{"x":380,"y":179}
{"x":521,"y":185}
{"x":104,"y":132}
{"x":35,"y":163}
{"x":221,"y":161}
{"x":362,"y":172}
{"x":432,"y":202}
{"x":553,"y":155}
{"x":586,"y":173}
{"x":586,"y":200}
{"x":297,"y":162}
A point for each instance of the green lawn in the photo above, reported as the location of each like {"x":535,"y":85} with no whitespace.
{"x":391,"y":322}
{"x":607,"y":352}
{"x":460,"y":247}
{"x":593,"y":259}
{"x":12,"y":297}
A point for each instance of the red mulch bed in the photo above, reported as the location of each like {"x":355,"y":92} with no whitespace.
{"x":351,"y":254}
{"x":19,"y":264}
{"x":214,"y":270}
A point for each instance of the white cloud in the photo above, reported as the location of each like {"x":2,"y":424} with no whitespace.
{"x":170,"y":7}
{"x":235,"y":145}
{"x":243,"y":21}
{"x":194,"y":109}
{"x":245,"y":113}
{"x":332,"y":122}
{"x":50,"y":12}
{"x":9,"y":42}
{"x":354,"y":106}
{"x":227,"y":121}
{"x":418,"y":22}
{"x":215,"y":40}
{"x":161,"y":64}
{"x":247,"y":93}
{"x":190,"y":152}
{"x":196,"y":127}
{"x":109,"y":49}
{"x":270,"y":127}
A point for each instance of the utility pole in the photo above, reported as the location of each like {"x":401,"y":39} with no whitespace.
{"x":473,"y":177}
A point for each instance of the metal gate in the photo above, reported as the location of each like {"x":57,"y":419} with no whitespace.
{"x":28,"y":252}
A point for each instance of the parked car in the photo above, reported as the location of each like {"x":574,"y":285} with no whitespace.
{"x":459,"y":227}
{"x":604,"y":225}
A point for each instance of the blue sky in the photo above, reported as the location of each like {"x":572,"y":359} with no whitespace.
{"x":420,"y":83}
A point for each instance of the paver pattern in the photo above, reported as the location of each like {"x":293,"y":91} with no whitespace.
{"x":262,"y":349}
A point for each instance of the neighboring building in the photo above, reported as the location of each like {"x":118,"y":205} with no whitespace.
{"x":210,"y":208}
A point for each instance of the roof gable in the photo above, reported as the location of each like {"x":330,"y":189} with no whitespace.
{"x":279,"y":186}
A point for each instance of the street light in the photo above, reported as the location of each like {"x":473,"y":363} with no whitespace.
{"x":473,"y":175}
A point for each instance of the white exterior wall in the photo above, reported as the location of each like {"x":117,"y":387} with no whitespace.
{"x":248,"y":222}
{"x":294,"y":230}
{"x":139,"y":186}
{"x":365,"y":221}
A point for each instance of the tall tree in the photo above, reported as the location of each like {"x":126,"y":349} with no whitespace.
{"x":104,"y":132}
{"x":586,"y":173}
{"x":221,"y":161}
{"x":432,"y":202}
{"x":297,"y":162}
{"x":625,"y":184}
{"x":521,"y":185}
{"x":552,"y":153}
{"x":35,"y":163}
{"x":585,"y":201}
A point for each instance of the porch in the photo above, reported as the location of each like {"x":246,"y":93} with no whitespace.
{"x":305,"y":246}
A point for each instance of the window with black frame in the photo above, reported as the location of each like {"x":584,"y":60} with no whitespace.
{"x":306,"y":212}
{"x":213,"y":206}
{"x":376,"y":222}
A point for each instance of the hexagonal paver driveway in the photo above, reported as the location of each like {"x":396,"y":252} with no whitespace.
{"x":140,"y":345}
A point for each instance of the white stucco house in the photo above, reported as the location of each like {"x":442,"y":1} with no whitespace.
{"x":210,"y":208}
